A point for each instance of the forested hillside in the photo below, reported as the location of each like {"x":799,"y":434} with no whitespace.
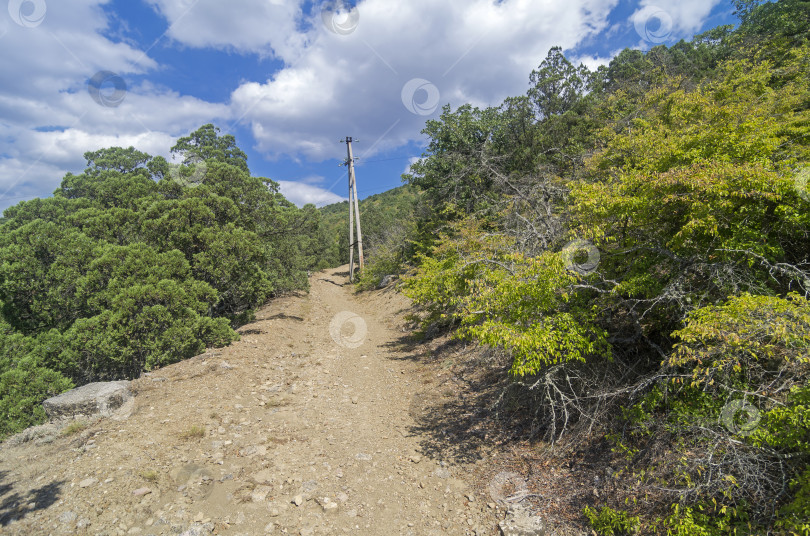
{"x":388,"y":220}
{"x":137,"y":263}
{"x":635,"y":241}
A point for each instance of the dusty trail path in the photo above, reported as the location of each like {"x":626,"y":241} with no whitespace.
{"x":298,"y":428}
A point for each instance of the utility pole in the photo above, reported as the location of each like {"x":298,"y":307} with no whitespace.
{"x":351,"y":226}
{"x":354,"y":213}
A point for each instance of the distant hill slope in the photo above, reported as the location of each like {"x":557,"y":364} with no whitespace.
{"x":380,"y":215}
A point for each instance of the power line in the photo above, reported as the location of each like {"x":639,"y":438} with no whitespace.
{"x":381,"y":189}
{"x":389,"y":159}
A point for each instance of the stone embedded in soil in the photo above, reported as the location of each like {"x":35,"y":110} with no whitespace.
{"x":442,"y":472}
{"x":141,"y":491}
{"x":521,"y":522}
{"x":67,"y":517}
{"x":87,"y":482}
{"x":197,"y":529}
{"x":260,"y":493}
{"x":94,"y":398}
{"x":262,"y":477}
{"x":327,"y":504}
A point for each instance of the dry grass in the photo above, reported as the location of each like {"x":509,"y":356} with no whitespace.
{"x":149,"y":475}
{"x":195,"y":432}
{"x":277,"y":401}
{"x":75,"y":427}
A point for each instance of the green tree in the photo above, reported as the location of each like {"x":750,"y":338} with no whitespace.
{"x":205,"y":143}
{"x":135,"y":263}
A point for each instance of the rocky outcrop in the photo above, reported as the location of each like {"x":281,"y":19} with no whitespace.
{"x":99,"y":398}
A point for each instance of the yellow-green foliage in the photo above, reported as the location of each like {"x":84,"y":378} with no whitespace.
{"x":787,"y":426}
{"x":610,"y":522}
{"x":687,"y":167}
{"x":794,"y":517}
{"x":442,"y":281}
{"x":499,"y":298}
{"x":705,"y":175}
{"x":528,"y":307}
{"x":687,"y":522}
{"x":744,"y":333}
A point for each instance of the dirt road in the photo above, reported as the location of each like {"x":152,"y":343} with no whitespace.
{"x":304,"y":426}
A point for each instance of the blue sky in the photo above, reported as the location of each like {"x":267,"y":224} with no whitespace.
{"x":288,"y":78}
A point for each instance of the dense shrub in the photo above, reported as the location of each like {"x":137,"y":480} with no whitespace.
{"x":137,"y":263}
{"x":636,"y":239}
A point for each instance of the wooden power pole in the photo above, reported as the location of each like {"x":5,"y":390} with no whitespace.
{"x":354,"y":213}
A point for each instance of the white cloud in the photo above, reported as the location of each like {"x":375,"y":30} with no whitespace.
{"x":312,"y":179}
{"x":268,"y":28}
{"x":472,"y":51}
{"x":63,"y":52}
{"x":35,"y":179}
{"x":301,"y":194}
{"x":48,"y":116}
{"x":591,"y":62}
{"x":411,"y":161}
{"x":659,"y":22}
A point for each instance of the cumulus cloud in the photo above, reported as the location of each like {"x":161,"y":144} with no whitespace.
{"x":592,"y":62}
{"x":268,"y":28}
{"x":49,"y":116}
{"x":411,"y":161}
{"x":471,"y":51}
{"x":659,"y":22}
{"x":301,"y":193}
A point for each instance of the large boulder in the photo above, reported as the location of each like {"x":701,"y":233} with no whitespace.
{"x":99,"y":398}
